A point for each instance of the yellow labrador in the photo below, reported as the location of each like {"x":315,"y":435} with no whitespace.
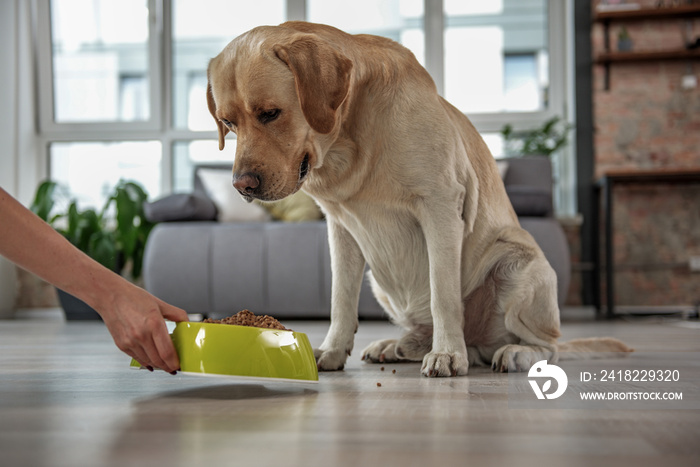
{"x":408,"y":186}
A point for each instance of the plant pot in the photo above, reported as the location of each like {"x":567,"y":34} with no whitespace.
{"x":76,"y":309}
{"x":624,"y":45}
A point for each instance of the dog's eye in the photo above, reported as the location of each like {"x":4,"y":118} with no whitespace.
{"x":269,"y":115}
{"x":227,"y":123}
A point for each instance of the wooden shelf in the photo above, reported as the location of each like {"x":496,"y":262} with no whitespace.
{"x":661,"y":174}
{"x":685,"y":11}
{"x":608,"y":57}
{"x":641,"y":56}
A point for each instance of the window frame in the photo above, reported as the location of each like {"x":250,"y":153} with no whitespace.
{"x":160,"y":125}
{"x":47,"y":122}
{"x":493,"y":122}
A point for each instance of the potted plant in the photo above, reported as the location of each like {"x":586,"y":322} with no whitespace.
{"x":624,"y":41}
{"x":114,"y":238}
{"x":543,"y":141}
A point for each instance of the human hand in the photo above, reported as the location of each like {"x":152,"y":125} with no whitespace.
{"x":135,"y":319}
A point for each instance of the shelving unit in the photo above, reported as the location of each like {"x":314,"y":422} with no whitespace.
{"x":644,"y":14}
{"x":606,"y":188}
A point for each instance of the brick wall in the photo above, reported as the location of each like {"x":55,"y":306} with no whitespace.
{"x":647,"y":120}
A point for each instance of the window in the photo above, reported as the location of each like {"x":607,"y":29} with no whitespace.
{"x":188,"y":154}
{"x":496,"y":56}
{"x":122,"y":82}
{"x":100,"y":68}
{"x":400,"y":20}
{"x":524,"y":90}
{"x":92,"y":169}
{"x":201,"y":29}
{"x":97,"y":64}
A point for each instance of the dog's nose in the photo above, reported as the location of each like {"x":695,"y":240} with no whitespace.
{"x":246,"y":183}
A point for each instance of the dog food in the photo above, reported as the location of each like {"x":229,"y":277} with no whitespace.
{"x":247,"y":318}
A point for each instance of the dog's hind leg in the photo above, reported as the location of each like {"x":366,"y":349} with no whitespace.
{"x":514,"y":357}
{"x":527,"y":297}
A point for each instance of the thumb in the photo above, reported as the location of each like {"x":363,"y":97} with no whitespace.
{"x":173,"y":313}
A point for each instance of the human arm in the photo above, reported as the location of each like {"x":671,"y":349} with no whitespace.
{"x":133,"y":317}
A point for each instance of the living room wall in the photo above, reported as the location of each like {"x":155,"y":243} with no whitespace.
{"x":8,"y":160}
{"x":19,"y":168}
{"x":646,"y":120}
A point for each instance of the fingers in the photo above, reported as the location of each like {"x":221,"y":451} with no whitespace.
{"x":157,"y":361}
{"x":145,"y":350}
{"x":161,"y":338}
{"x":165,"y":349}
{"x":138,"y":327}
{"x":156,"y":344}
{"x":148,"y":341}
{"x":172,"y":313}
{"x":139,"y":356}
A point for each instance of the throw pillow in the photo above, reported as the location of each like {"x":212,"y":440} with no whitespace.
{"x":231,"y":207}
{"x":180,"y":207}
{"x":299,"y":207}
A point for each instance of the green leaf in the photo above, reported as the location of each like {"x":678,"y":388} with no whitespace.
{"x":44,"y":201}
{"x":543,"y":141}
{"x":73,"y":224}
{"x":126,"y":213}
{"x":102,"y":249}
{"x":87,"y":225}
{"x":90,"y":231}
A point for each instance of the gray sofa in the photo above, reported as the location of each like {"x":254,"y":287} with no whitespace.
{"x":283,"y":269}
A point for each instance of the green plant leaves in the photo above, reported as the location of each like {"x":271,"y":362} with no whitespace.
{"x":543,"y":141}
{"x":44,"y":199}
{"x":112,"y":244}
{"x":132,"y":226}
{"x":102,"y":248}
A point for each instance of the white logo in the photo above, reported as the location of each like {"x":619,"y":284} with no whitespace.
{"x":543,"y":370}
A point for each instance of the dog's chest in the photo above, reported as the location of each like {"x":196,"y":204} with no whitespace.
{"x":394,"y":247}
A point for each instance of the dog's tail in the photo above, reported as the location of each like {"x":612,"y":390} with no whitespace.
{"x":592,"y":347}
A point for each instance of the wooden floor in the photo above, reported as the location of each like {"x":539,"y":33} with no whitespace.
{"x":68,"y":398}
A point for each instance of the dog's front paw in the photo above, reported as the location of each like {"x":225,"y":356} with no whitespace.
{"x":330,"y":360}
{"x":445,"y":364}
{"x":381,"y":352}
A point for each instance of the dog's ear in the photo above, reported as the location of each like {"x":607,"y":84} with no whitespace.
{"x":211,"y":103}
{"x":322,"y":77}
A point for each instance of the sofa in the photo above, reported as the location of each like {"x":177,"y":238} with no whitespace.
{"x":198,"y":262}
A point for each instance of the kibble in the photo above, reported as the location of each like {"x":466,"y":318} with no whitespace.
{"x":248,"y":318}
{"x":379,"y":385}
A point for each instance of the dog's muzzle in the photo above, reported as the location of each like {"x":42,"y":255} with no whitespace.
{"x":246,"y":184}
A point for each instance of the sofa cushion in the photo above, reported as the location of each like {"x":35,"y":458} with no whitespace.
{"x":180,"y":207}
{"x":299,"y":207}
{"x":229,"y":204}
{"x":530,"y":201}
{"x":176,"y":264}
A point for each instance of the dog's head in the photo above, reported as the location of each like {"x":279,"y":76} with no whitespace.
{"x":279,"y":90}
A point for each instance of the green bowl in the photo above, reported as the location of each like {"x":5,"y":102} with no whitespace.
{"x":243,"y":351}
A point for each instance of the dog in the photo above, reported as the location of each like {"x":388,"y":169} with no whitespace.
{"x":408,"y":187}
